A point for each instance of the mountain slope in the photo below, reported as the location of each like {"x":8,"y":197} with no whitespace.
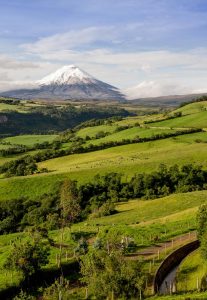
{"x":70,"y":83}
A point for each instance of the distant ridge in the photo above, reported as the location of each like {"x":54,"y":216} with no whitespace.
{"x":68,"y":83}
{"x":171,"y":100}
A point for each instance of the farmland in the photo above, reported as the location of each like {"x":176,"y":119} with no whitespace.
{"x":147,"y":222}
{"x":29,"y":140}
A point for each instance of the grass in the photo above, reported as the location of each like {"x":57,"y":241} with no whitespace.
{"x":172,"y":220}
{"x":16,"y":156}
{"x":130,"y":134}
{"x":92,"y":131}
{"x":192,"y":269}
{"x":164,"y":218}
{"x":133,"y":158}
{"x":30,"y":140}
{"x":128,"y":160}
{"x":173,"y":207}
{"x":138,"y":119}
{"x":3,"y":147}
{"x":192,"y":108}
{"x":197,"y":120}
{"x":6,"y":107}
{"x":191,"y":296}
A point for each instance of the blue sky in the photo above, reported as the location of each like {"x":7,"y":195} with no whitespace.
{"x":158,"y":45}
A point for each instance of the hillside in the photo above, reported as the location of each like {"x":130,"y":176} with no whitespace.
{"x":20,"y":117}
{"x":159,"y":157}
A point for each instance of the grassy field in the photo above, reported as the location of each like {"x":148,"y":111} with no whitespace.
{"x":129,"y":159}
{"x":131,"y":133}
{"x":193,"y":108}
{"x":191,"y":271}
{"x":197,"y":120}
{"x":92,"y":131}
{"x":138,"y":119}
{"x":2,"y":146}
{"x":6,"y":107}
{"x":191,"y":296}
{"x":148,"y":222}
{"x":30,"y":140}
{"x":173,"y":208}
{"x":16,"y":156}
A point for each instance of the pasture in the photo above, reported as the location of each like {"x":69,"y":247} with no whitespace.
{"x":30,"y":140}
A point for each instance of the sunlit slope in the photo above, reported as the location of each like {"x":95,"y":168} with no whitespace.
{"x":128,"y":160}
{"x":133,"y":158}
{"x":192,"y":108}
{"x":30,"y":140}
{"x":193,"y":115}
{"x":132,"y":133}
{"x":171,"y":208}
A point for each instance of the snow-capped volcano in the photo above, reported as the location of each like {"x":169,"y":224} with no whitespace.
{"x":67,"y":75}
{"x":69,"y":82}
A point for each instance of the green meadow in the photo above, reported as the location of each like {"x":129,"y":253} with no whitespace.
{"x":30,"y":140}
{"x":131,"y":133}
{"x":127,"y":159}
{"x":148,"y":222}
{"x":92,"y":131}
{"x":197,"y":120}
{"x":191,"y":271}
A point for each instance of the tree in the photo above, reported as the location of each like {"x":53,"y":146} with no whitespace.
{"x":70,"y":208}
{"x":27,"y":257}
{"x":111,"y":275}
{"x":69,"y":203}
{"x":202,"y":220}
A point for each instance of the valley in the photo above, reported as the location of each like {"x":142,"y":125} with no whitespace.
{"x":140,"y":182}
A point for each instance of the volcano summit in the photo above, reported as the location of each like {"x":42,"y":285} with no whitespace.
{"x":68,"y":83}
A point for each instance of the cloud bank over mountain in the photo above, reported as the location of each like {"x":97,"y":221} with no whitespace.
{"x":155,"y":45}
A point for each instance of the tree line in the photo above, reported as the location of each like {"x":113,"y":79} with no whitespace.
{"x":99,"y":197}
{"x":22,"y":166}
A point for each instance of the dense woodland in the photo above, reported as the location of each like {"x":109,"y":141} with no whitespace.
{"x":99,"y":197}
{"x":48,"y":119}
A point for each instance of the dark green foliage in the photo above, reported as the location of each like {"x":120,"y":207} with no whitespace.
{"x":69,"y":202}
{"x":58,"y":290}
{"x":47,"y":119}
{"x":167,"y":181}
{"x":111,"y":276}
{"x":17,"y":214}
{"x":27,"y":257}
{"x":202,"y":220}
{"x":20,"y":167}
{"x":99,"y":197}
{"x":202,"y":229}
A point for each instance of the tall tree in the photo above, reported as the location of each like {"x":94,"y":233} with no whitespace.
{"x":70,"y":208}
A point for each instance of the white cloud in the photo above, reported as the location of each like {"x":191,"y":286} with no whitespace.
{"x":156,"y":89}
{"x":7,"y":62}
{"x":155,"y":72}
{"x":160,"y":88}
{"x":72,"y":39}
